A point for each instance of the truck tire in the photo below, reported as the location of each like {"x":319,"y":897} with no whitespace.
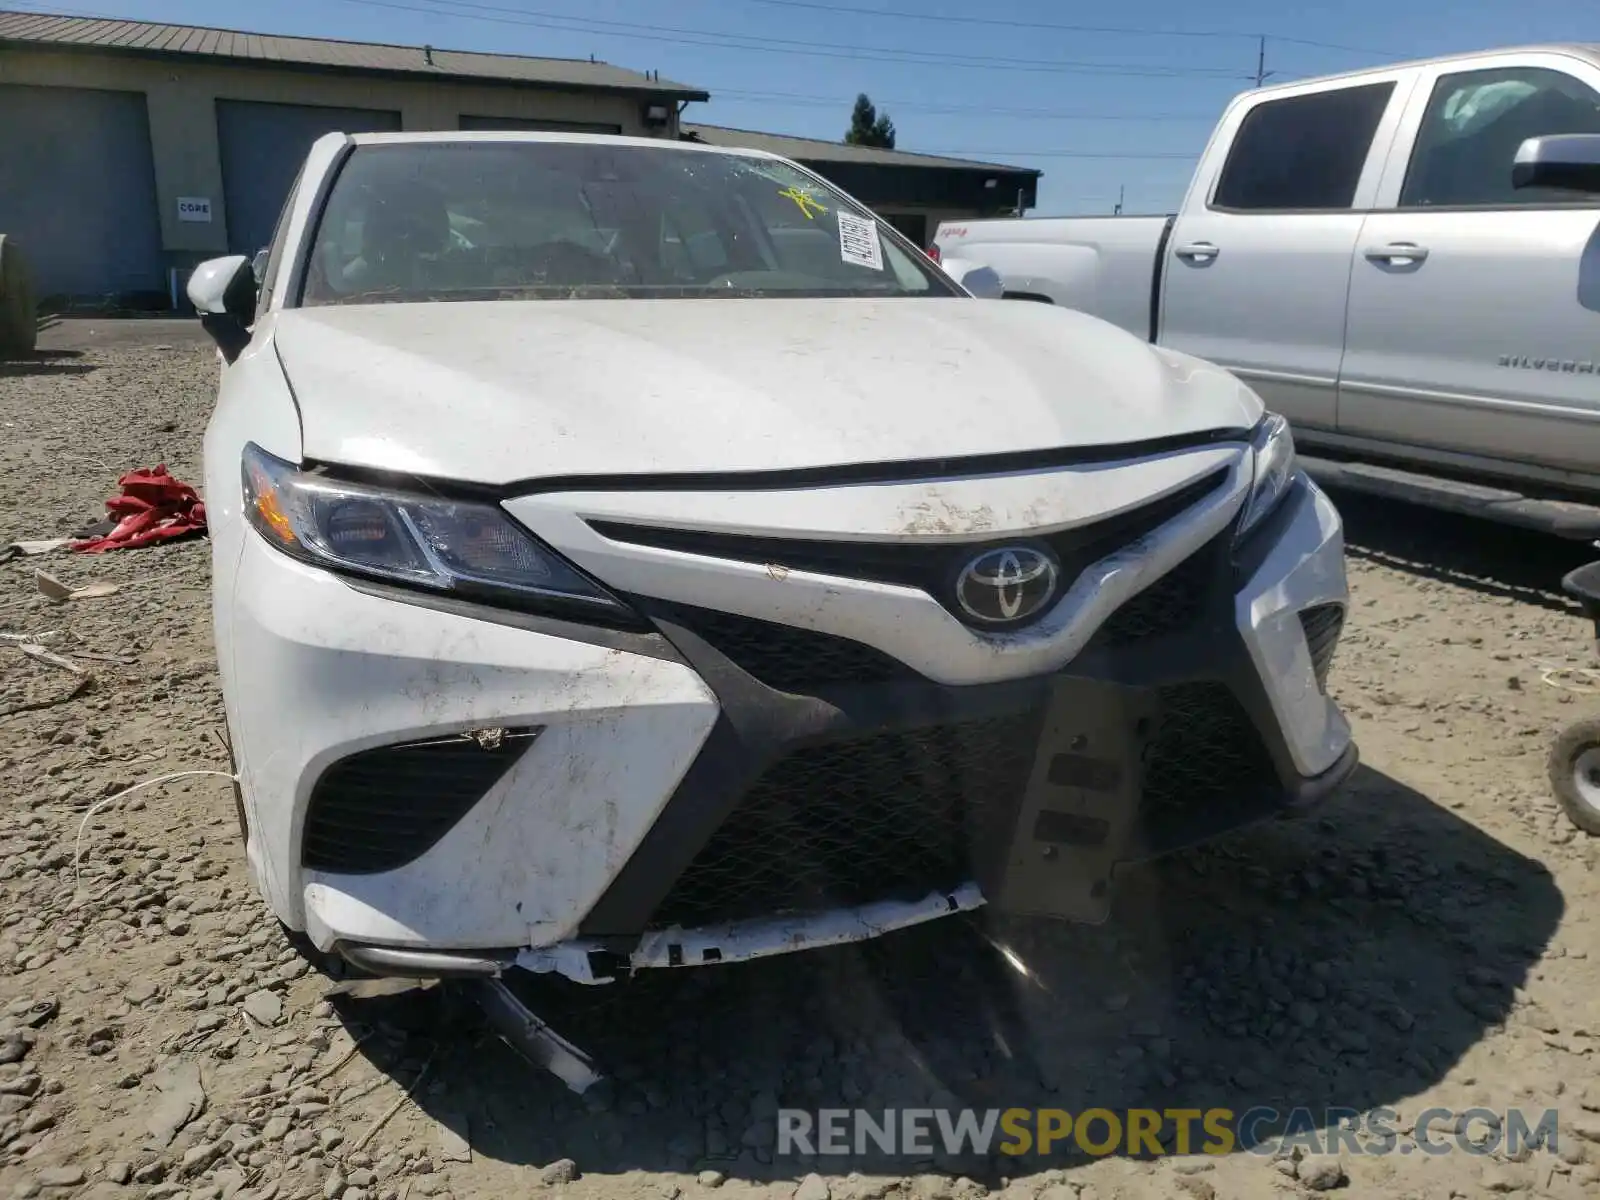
{"x":19,"y":325}
{"x":1574,"y":767}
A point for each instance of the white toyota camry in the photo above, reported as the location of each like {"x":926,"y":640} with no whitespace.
{"x":635,"y":554}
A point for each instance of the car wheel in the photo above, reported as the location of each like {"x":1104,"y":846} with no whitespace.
{"x":1574,"y":767}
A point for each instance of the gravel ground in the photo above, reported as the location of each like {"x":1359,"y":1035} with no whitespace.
{"x":1424,"y":940}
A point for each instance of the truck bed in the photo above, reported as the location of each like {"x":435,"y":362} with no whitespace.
{"x":1104,"y":266}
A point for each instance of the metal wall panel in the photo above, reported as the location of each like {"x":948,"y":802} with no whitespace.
{"x":262,"y":148}
{"x":534,"y":123}
{"x":78,"y":190}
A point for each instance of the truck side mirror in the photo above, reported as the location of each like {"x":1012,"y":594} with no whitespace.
{"x":1570,"y":161}
{"x":223,"y":292}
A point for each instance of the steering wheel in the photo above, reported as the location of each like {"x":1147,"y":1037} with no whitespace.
{"x":572,"y":263}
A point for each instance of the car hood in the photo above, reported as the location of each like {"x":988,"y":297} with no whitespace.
{"x":502,"y":391}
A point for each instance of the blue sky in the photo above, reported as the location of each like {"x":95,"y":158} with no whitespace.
{"x":1122,"y":99}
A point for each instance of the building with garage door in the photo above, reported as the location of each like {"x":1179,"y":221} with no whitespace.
{"x":913,"y":192}
{"x":130,"y":151}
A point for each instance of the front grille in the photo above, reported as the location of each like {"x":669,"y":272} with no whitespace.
{"x":928,"y":565}
{"x":1205,"y":752}
{"x":381,"y":809}
{"x":786,"y":657}
{"x":1322,"y":624}
{"x":1171,"y":604}
{"x":892,"y":815}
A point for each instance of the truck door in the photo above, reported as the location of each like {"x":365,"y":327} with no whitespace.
{"x":1258,"y":265}
{"x":1474,"y":320}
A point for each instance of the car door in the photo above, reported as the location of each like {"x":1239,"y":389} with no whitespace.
{"x":1258,"y":265}
{"x":1474,"y":322}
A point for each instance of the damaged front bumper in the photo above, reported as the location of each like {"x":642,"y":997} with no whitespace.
{"x":748,"y":812}
{"x":589,"y":960}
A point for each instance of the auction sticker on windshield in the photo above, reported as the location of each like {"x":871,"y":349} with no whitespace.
{"x":858,"y":241}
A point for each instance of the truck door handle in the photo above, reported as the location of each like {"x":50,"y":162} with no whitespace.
{"x":1399,"y":254}
{"x":1198,"y":251}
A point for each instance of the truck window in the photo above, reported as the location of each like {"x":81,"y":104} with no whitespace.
{"x":1474,"y":123}
{"x":1302,"y":152}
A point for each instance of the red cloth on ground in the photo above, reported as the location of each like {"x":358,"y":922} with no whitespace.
{"x":152,"y":506}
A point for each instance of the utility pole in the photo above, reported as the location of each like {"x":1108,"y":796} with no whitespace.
{"x":1122,"y":191}
{"x":1262,"y":74}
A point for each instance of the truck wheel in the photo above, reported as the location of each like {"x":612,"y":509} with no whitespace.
{"x":1574,"y":767}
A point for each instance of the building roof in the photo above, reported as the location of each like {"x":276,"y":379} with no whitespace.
{"x":816,"y":150}
{"x":188,"y":41}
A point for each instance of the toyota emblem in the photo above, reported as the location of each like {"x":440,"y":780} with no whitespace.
{"x":1007,"y":585}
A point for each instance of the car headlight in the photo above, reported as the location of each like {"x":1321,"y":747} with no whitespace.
{"x":1273,"y":460}
{"x":471,"y":551}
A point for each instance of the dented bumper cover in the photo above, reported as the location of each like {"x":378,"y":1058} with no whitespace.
{"x":729,"y":786}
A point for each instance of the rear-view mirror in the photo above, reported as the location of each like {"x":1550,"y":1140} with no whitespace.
{"x":223,"y":292}
{"x":1570,"y":161}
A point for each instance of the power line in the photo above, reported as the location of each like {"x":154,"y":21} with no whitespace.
{"x":804,"y":100}
{"x":897,"y":14}
{"x":1007,"y":23}
{"x":765,"y":45}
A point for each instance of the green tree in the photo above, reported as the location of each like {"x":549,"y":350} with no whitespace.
{"x":869,"y":127}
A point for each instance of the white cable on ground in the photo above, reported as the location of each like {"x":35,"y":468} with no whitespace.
{"x":1564,"y":677}
{"x":77,"y":850}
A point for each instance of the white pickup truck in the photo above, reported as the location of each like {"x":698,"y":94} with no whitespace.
{"x":1403,"y":261}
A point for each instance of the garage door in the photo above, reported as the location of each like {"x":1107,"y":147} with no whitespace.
{"x":471,"y":122}
{"x":263,"y":146}
{"x":78,"y":190}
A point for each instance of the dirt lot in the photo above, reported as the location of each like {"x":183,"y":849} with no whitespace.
{"x":1426,"y":939}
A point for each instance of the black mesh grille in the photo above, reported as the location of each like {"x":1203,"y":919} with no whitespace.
{"x":1205,"y":752}
{"x":380,"y":809}
{"x":847,"y":823}
{"x":1171,"y":604}
{"x":1322,"y":626}
{"x":788,"y":658}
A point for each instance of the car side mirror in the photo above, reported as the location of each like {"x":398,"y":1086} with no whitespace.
{"x":1570,"y":161}
{"x":982,"y":282}
{"x":223,"y":292}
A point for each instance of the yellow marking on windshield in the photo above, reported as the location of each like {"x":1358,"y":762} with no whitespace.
{"x":804,"y":201}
